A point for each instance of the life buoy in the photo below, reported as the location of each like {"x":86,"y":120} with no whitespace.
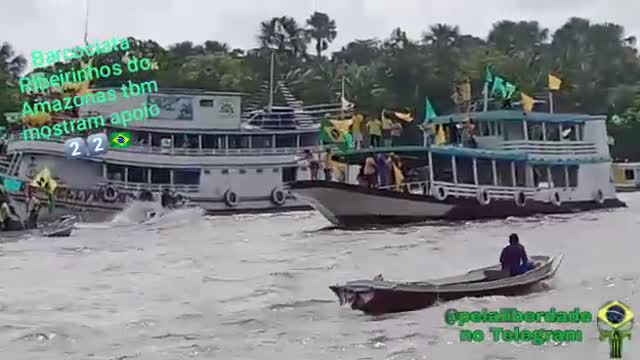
{"x":520,"y":199}
{"x":483,"y":196}
{"x":278,"y":196}
{"x":109,"y":194}
{"x":231,"y":198}
{"x":598,"y":196}
{"x":440,"y":193}
{"x":555,"y":198}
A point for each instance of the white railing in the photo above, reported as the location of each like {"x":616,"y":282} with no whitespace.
{"x":551,"y":147}
{"x":126,"y":186}
{"x":463,"y":190}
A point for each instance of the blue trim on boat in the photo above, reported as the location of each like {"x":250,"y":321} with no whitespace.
{"x":511,"y":115}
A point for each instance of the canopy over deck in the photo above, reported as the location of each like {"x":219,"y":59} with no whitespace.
{"x":510,"y":115}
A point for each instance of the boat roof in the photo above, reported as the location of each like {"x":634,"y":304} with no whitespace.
{"x":357,"y":156}
{"x":517,"y":115}
{"x":181,"y":91}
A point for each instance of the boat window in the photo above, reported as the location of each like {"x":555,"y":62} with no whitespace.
{"x":464,"y":170}
{"x":186,"y":177}
{"x":558,"y":176}
{"x":573,"y":176}
{"x":140,"y":137}
{"x":115,"y":172}
{"x":534,"y":130}
{"x":521,"y":173}
{"x":552,"y":131}
{"x":629,"y":174}
{"x":276,"y":170}
{"x":540,"y":177}
{"x":211,"y":142}
{"x":513,"y":131}
{"x":207,"y":172}
{"x":580,"y":133}
{"x":485,"y":172}
{"x":503,"y":170}
{"x":160,"y":176}
{"x":206,"y":103}
{"x":492,"y":128}
{"x":311,"y":139}
{"x":242,"y":171}
{"x":499,"y":128}
{"x":442,"y":168}
{"x":185,"y":141}
{"x":569,"y":132}
{"x":261,"y":141}
{"x":285,"y":140}
{"x":484,"y":128}
{"x":225,"y":171}
{"x":289,"y":174}
{"x":258,"y":171}
{"x":137,"y":174}
{"x":238,"y":142}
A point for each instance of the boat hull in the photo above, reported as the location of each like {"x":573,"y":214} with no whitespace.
{"x":380,"y":297}
{"x":349,"y":205}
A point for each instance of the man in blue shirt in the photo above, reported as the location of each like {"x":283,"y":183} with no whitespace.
{"x":514,"y":258}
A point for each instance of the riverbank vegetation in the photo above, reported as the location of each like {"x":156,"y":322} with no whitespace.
{"x":598,"y":63}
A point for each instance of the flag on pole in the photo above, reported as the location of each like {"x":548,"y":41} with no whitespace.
{"x":346,"y":105}
{"x":441,"y":137}
{"x":488,"y":74}
{"x":554,"y":83}
{"x":527,"y":102}
{"x":429,"y":111}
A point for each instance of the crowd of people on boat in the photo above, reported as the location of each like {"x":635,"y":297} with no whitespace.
{"x":455,"y":134}
{"x":381,"y":131}
{"x":10,"y":220}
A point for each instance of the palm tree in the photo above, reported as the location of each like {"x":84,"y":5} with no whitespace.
{"x":322,"y":29}
{"x":283,"y":35}
{"x":441,"y":36}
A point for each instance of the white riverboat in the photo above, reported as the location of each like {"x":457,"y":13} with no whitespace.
{"x":523,"y":164}
{"x":201,"y":145}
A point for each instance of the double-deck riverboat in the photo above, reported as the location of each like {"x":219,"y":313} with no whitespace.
{"x":202,"y":145}
{"x":522,"y":164}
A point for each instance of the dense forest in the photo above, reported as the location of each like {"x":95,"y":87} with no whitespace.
{"x":598,"y":64}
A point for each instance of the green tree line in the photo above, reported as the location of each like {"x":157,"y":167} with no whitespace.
{"x":597,"y":62}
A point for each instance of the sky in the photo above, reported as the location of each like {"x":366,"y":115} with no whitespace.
{"x":30,"y":25}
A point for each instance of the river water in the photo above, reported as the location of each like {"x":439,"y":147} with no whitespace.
{"x":255,"y":287}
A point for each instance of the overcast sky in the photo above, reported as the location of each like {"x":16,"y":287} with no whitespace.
{"x":55,"y":24}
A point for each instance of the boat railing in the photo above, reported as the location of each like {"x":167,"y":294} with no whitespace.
{"x":133,"y":187}
{"x":460,"y":190}
{"x":190,"y":151}
{"x":551,"y":147}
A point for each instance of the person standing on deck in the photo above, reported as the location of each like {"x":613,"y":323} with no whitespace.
{"x":356,"y":130}
{"x":370,"y":171}
{"x":396,"y":131}
{"x":327,"y":165}
{"x":454,"y":135}
{"x":514,"y":257}
{"x":387,"y":124}
{"x":383,"y":170}
{"x":312,"y":163}
{"x":32,"y":209}
{"x":374,"y":127}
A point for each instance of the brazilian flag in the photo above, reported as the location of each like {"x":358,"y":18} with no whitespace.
{"x":120,"y":140}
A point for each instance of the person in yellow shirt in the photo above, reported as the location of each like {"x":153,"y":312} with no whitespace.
{"x":356,"y":130}
{"x":387,"y":124}
{"x":375,"y":132}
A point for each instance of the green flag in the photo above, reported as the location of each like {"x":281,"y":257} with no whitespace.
{"x":499,"y":86}
{"x":488,"y":75}
{"x":510,"y":89}
{"x":429,"y":112}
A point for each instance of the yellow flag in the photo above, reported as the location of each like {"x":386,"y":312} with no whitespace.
{"x":398,"y":177}
{"x":554,"y":83}
{"x":527,"y":102}
{"x":465,"y":89}
{"x":404,"y":116}
{"x":44,"y":181}
{"x":342,"y":125}
{"x":440,"y":136}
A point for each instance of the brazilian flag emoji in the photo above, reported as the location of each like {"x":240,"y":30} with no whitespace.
{"x":120,"y":140}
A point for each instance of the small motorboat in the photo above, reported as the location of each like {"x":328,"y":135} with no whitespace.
{"x":378,"y":296}
{"x":62,"y":227}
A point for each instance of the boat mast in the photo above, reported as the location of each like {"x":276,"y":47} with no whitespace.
{"x":273,"y":55}
{"x":86,"y":22}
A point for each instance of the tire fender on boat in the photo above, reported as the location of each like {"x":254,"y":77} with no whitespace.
{"x":440,"y":192}
{"x":598,"y":196}
{"x":71,"y":195}
{"x":278,"y":196}
{"x":555,"y":198}
{"x":483,"y":196}
{"x":81,"y":196}
{"x":231,"y":198}
{"x":109,"y":194}
{"x":520,"y":198}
